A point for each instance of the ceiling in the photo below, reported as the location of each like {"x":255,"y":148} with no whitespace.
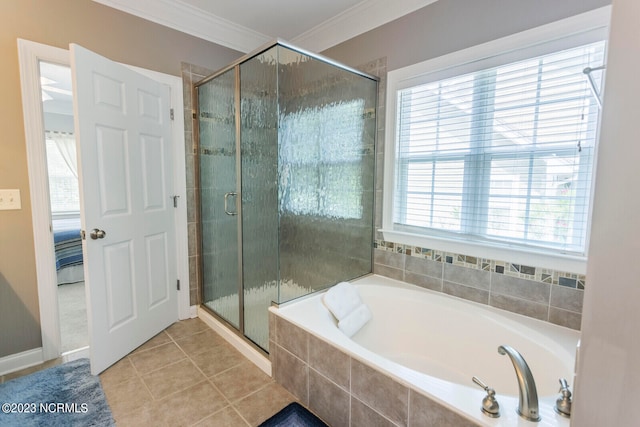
{"x":245,"y":25}
{"x":55,"y":82}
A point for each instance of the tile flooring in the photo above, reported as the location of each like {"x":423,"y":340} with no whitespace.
{"x":190,"y":376}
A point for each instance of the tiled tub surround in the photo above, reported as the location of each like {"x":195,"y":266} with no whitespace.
{"x":349,"y":385}
{"x":543,"y":294}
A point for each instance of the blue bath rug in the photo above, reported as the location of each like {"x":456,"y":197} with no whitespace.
{"x":293,"y":415}
{"x":64,"y":395}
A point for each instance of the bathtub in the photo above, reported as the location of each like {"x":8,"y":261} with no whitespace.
{"x":433,"y":344}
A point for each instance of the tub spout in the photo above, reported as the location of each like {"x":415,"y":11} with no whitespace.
{"x":528,"y":403}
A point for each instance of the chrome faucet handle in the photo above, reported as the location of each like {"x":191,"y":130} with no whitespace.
{"x":564,"y":385}
{"x":490,"y":406}
{"x":563,"y":403}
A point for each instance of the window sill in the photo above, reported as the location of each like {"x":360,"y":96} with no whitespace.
{"x":515,"y":255}
{"x":65,"y":215}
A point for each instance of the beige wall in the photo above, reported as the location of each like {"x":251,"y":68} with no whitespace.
{"x":450,"y":25}
{"x":114,"y":34}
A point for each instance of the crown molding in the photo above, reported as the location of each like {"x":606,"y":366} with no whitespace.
{"x":356,"y":20}
{"x":364,"y":16}
{"x":191,"y":20}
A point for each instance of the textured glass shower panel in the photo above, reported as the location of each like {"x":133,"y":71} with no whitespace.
{"x":259,"y":160}
{"x":217,"y":136}
{"x":326,"y":164}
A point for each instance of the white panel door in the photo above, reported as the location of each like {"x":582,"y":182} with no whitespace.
{"x":124,"y":131}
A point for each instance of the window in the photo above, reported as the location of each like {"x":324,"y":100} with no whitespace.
{"x":63,"y":176}
{"x":498,"y":155}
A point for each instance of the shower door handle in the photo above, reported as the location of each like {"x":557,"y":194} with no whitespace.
{"x":226,"y":199}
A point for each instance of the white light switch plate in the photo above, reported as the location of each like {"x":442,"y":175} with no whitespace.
{"x":10,"y":200}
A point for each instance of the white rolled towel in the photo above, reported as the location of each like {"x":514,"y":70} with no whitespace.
{"x":355,"y":320}
{"x":342,"y":299}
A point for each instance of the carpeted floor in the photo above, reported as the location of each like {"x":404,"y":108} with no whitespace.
{"x":65,"y":395}
{"x":74,"y":333}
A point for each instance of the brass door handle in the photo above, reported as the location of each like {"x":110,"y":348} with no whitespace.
{"x":97,"y":234}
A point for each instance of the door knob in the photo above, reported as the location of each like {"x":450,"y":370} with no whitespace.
{"x":97,"y":234}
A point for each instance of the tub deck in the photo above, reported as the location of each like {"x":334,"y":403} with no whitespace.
{"x":435,"y":373}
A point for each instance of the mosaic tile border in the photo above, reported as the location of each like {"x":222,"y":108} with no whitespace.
{"x":538,"y":274}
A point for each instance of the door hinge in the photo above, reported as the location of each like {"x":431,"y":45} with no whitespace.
{"x":171,"y":114}
{"x":175,"y":201}
{"x":178,"y":286}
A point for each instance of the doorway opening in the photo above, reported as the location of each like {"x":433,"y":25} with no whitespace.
{"x":64,"y":203}
{"x":31,"y":55}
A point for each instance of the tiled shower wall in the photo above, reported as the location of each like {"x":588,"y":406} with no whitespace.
{"x":192,"y":74}
{"x":543,"y":294}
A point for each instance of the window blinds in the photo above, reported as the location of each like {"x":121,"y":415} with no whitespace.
{"x":503,"y":154}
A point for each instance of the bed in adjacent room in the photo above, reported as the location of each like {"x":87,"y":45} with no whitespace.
{"x":68,"y":250}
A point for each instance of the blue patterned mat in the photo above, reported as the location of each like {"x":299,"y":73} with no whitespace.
{"x":293,"y":415}
{"x":64,"y":395}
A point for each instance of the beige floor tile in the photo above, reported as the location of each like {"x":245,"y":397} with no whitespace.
{"x":172,"y":378}
{"x":200,"y":342}
{"x":121,"y":371}
{"x":241,"y":381}
{"x":127,"y":397}
{"x":147,"y":415}
{"x":161,"y":338}
{"x":184,"y":328}
{"x":161,"y":356}
{"x":228,"y":417}
{"x":164,"y":383}
{"x":218,"y":360}
{"x":192,"y":405}
{"x":264,"y":403}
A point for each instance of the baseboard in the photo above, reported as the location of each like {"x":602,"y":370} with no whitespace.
{"x":193,"y":311}
{"x":247,"y":350}
{"x":25,"y":359}
{"x":72,"y":355}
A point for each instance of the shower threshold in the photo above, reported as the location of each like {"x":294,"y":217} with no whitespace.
{"x":256,"y":315}
{"x":247,"y":348}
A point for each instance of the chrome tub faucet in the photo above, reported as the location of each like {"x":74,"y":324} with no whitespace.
{"x":528,"y":403}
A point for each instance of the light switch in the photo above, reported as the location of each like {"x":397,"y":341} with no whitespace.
{"x":10,"y":200}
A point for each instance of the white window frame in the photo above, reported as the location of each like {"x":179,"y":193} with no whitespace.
{"x":571,"y":32}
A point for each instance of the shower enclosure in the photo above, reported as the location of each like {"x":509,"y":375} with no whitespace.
{"x":286,"y":181}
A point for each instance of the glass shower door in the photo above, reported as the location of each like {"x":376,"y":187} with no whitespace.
{"x":286,"y":167}
{"x":259,"y":162}
{"x":219,"y":202}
